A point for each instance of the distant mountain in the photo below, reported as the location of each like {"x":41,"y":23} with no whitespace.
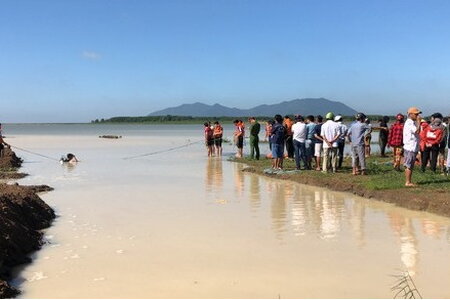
{"x":309,"y":106}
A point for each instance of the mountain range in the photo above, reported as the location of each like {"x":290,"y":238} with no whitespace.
{"x":307,"y":106}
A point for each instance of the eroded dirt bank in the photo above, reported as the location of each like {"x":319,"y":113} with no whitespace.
{"x":23,"y":215}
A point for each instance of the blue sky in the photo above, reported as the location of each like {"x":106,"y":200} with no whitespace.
{"x":71,"y":61}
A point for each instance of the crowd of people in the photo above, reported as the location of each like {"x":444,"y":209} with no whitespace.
{"x":318,"y":143}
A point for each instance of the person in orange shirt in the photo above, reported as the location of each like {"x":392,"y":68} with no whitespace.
{"x":217,"y":135}
{"x":287,"y":123}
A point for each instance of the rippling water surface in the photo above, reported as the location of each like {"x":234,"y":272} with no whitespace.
{"x":182,"y":225}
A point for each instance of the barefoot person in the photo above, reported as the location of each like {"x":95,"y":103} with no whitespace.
{"x":239,"y":137}
{"x":208,"y":139}
{"x":217,"y":135}
{"x":411,"y":142}
{"x":277,"y":140}
{"x":395,"y":140}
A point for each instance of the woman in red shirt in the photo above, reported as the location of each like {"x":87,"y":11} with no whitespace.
{"x":431,"y":137}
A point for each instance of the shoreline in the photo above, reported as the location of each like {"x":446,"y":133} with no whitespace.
{"x":23,"y":216}
{"x":431,"y":195}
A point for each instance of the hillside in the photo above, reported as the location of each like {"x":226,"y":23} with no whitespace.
{"x":313,"y":106}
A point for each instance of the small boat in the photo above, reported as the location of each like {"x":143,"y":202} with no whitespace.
{"x":110,"y":136}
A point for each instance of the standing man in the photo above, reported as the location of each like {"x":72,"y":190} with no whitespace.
{"x":288,"y":137}
{"x":356,"y":136}
{"x":239,"y":137}
{"x":395,"y":140}
{"x":318,"y":142}
{"x":330,"y":134}
{"x":277,"y":138}
{"x":411,"y":142}
{"x":384,"y":134}
{"x":341,"y":140}
{"x":218,"y":134}
{"x":299,"y":138}
{"x":310,"y":139}
{"x":255,"y":128}
{"x":209,"y":141}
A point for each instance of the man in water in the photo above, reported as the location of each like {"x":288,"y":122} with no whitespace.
{"x":330,"y":134}
{"x":255,"y":128}
{"x":411,"y":142}
{"x":217,"y":135}
{"x":356,"y":136}
{"x":239,"y":137}
{"x":277,"y":141}
{"x":208,"y":139}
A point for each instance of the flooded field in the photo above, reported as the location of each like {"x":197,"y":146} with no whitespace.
{"x":180,"y":225}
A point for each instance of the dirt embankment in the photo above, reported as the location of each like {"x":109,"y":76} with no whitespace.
{"x":22,"y":215}
{"x":9,"y":163}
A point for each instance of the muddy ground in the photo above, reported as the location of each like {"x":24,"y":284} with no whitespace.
{"x":23,"y":215}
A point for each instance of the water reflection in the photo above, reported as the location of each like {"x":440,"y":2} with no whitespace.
{"x":303,"y":210}
{"x":255,"y":194}
{"x":214,"y":175}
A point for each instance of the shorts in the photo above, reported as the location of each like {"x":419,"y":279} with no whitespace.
{"x":367,"y":140}
{"x":277,"y":150}
{"x":240,"y":142}
{"x":218,"y":141}
{"x":209,"y":143}
{"x":318,"y":149}
{"x":410,"y":159}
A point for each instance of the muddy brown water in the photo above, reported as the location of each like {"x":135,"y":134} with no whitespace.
{"x":180,"y":225}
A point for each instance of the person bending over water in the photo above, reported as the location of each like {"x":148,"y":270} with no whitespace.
{"x":69,"y":158}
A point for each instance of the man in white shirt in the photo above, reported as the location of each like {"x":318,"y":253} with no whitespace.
{"x":299,"y":132}
{"x":330,"y":132}
{"x":411,"y":141}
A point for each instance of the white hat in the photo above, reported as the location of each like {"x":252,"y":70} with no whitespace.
{"x":338,"y":118}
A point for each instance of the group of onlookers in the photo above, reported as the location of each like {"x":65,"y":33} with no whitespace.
{"x":318,"y":143}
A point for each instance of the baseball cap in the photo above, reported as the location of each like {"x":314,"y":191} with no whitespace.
{"x":414,"y":110}
{"x":338,"y":118}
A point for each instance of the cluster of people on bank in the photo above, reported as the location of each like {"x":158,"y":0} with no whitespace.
{"x":318,"y":143}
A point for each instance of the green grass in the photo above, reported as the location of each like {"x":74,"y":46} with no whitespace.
{"x":381,"y":175}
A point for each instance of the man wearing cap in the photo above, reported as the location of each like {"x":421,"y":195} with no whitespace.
{"x":341,"y":140}
{"x":411,"y":142}
{"x":330,"y":134}
{"x":356,"y":136}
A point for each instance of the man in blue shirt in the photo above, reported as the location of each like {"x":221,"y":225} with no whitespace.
{"x":277,"y":136}
{"x":356,"y":136}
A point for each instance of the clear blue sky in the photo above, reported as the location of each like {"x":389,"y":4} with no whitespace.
{"x":68,"y":61}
